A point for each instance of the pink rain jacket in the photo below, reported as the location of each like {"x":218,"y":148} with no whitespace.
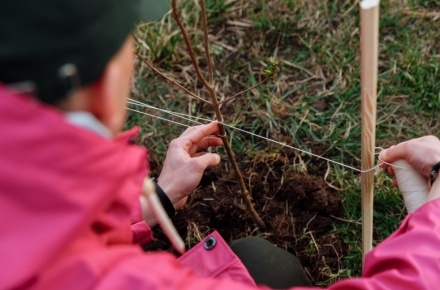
{"x":67,"y":202}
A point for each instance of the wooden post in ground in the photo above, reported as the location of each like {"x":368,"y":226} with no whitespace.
{"x":369,"y":57}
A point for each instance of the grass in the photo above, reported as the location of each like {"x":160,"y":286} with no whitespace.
{"x":315,"y":103}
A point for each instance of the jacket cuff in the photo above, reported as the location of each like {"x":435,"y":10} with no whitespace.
{"x":142,"y":233}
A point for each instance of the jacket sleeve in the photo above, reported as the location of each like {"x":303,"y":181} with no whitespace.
{"x":161,"y":271}
{"x":212,"y":257}
{"x":408,"y":259}
{"x":142,"y":233}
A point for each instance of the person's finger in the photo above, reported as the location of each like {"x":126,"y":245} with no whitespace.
{"x":209,"y":142}
{"x":395,"y":183}
{"x":393,"y":153}
{"x":208,"y":159}
{"x":383,"y":164}
{"x":205,"y":143}
{"x":200,"y":154}
{"x":197,"y":133}
{"x":391,"y":170}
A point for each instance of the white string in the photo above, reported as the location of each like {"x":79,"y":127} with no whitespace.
{"x":394,"y":165}
{"x":157,"y":117}
{"x":190,"y":119}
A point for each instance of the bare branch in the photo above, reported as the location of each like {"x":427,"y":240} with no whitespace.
{"x":171,"y":80}
{"x":216,"y":106}
{"x":206,"y":43}
{"x":188,"y":46}
{"x":242,"y":92}
{"x":422,"y":13}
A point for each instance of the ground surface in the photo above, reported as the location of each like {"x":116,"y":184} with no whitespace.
{"x":298,"y":210}
{"x":311,"y":208}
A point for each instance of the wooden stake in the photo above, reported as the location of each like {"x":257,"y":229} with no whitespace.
{"x":369,"y":59}
{"x":161,"y":216}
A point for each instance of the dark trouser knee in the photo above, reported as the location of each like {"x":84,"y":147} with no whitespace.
{"x":268,"y":264}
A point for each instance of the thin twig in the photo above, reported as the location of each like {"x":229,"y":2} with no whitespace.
{"x":206,"y":43}
{"x":300,"y":68}
{"x":345,"y":220}
{"x":171,"y":80}
{"x":188,"y":46}
{"x":210,"y":88}
{"x":421,"y":13}
{"x":242,"y":92}
{"x":216,"y":107}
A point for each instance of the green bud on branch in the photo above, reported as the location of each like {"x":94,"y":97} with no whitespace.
{"x":272,"y":69}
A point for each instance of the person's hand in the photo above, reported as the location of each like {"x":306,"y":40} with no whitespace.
{"x":184,"y":164}
{"x":422,"y":153}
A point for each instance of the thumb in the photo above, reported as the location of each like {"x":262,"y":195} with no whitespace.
{"x":392,"y":154}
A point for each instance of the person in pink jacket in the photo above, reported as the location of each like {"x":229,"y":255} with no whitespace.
{"x":70,"y":182}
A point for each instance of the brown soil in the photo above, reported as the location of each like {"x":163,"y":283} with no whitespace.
{"x":297,"y":209}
